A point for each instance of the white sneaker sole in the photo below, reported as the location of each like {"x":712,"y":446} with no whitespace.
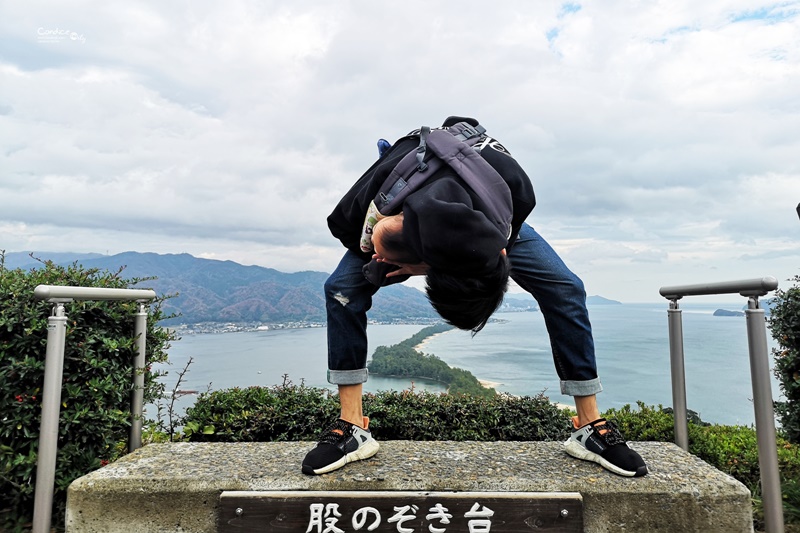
{"x":576,"y":450}
{"x":365,"y":451}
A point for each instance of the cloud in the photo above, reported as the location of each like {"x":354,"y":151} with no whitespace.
{"x":659,"y":137}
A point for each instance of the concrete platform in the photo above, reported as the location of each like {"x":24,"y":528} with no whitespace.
{"x":176,"y":487}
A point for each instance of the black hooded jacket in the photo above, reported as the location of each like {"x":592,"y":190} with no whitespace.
{"x":442,"y":222}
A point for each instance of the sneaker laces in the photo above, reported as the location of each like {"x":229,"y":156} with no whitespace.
{"x":609,"y":432}
{"x":335,"y":433}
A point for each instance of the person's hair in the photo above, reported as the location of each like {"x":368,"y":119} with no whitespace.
{"x":395,"y":243}
{"x":467,"y":302}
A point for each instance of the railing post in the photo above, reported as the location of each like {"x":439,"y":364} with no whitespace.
{"x":48,"y":429}
{"x":137,"y":395}
{"x":760,"y":377}
{"x":678,"y":372}
{"x":53,"y":377}
{"x":765,"y":417}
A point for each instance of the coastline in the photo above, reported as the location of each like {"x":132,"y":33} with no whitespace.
{"x":489,"y":384}
{"x":484,"y":382}
{"x":494,"y":384}
{"x":419,"y":347}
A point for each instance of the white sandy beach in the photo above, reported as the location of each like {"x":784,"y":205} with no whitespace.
{"x":419,"y":347}
{"x":489,"y":384}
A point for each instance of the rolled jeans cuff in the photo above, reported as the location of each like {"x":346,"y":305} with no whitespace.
{"x":581,"y":388}
{"x":347,"y":377}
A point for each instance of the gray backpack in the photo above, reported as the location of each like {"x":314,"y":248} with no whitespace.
{"x":452,"y":146}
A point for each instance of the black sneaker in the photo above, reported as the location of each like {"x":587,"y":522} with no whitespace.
{"x":601,"y":442}
{"x":342,"y":443}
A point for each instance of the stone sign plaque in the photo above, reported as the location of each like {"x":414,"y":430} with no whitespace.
{"x":402,"y":512}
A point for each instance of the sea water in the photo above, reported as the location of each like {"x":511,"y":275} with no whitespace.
{"x":513,"y":351}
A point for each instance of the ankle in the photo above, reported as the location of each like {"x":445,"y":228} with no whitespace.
{"x":579,"y":422}
{"x":360,"y":421}
{"x":586,"y":407}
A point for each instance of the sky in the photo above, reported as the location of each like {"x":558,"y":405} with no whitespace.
{"x":662,"y":138}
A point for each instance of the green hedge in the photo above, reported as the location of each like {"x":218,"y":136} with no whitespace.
{"x":290,"y":412}
{"x":255,"y":414}
{"x":97,"y":382}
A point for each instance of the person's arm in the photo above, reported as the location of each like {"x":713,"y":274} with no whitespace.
{"x":404,"y":269}
{"x":347,"y":218}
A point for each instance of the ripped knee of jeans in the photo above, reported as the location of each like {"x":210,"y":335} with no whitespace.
{"x":341,"y":298}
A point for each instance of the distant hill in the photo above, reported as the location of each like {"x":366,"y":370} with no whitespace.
{"x":726,"y":312}
{"x":764,"y":303}
{"x":223,"y":291}
{"x":599,"y":300}
{"x":518,"y":302}
{"x":524,"y":302}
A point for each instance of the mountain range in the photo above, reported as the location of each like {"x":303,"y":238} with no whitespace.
{"x":207,"y":290}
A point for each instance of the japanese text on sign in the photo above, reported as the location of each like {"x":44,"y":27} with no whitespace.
{"x":326,"y":518}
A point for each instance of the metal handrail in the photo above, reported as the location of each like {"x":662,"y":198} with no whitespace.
{"x":53,"y":377}
{"x":745,"y":287}
{"x":759,"y":372}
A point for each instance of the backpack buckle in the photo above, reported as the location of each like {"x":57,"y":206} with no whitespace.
{"x":467,"y":131}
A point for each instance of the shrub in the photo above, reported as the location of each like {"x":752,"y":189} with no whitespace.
{"x":97,"y":381}
{"x":291,"y":412}
{"x":791,"y":500}
{"x":784,"y":322}
{"x":461,"y":417}
{"x":649,"y":423}
{"x":281,"y":413}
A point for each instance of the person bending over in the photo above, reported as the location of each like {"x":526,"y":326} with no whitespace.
{"x":443,"y":233}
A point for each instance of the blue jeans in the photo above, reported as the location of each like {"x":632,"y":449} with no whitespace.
{"x":535,"y":266}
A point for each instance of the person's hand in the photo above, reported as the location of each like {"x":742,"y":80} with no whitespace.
{"x":404,"y":269}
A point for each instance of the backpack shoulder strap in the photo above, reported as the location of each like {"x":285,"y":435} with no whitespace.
{"x":452,"y":146}
{"x":479,"y":175}
{"x":418,"y":165}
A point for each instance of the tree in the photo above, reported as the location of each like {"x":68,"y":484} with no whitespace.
{"x":97,"y":380}
{"x":784,"y":322}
